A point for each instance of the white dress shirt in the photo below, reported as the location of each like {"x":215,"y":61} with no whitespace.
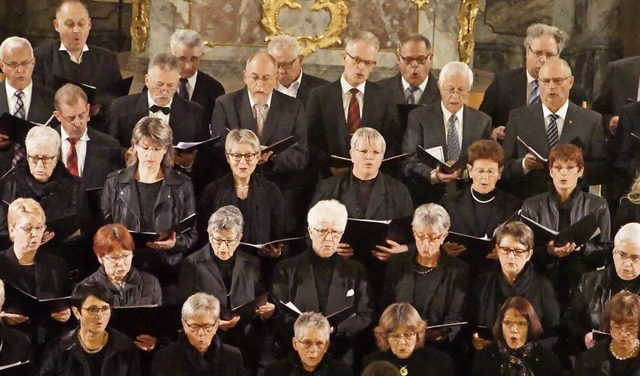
{"x":292,"y":90}
{"x":416,"y":94}
{"x":26,"y":98}
{"x":81,"y":148}
{"x":73,"y":58}
{"x":346,"y":96}
{"x":159,"y":114}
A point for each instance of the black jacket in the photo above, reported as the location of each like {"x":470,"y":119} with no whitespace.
{"x":181,"y":359}
{"x":423,"y":361}
{"x":140,"y":288}
{"x":64,"y":356}
{"x":540,"y":361}
{"x":627,"y":212}
{"x":16,"y":346}
{"x":598,"y":361}
{"x":175,"y":202}
{"x":52,"y":275}
{"x":292,"y":366}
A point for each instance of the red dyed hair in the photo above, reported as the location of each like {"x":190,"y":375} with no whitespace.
{"x":110,"y":238}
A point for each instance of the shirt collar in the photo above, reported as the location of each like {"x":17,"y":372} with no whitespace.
{"x":294,"y":85}
{"x":448,"y":114}
{"x":11,"y":91}
{"x":64,"y":135}
{"x":422,"y":86}
{"x":347,"y":86}
{"x":253,"y":103}
{"x":562,"y":112}
{"x":84,"y":49}
{"x":151,"y":102}
{"x":192,"y":80}
{"x":529,"y":77}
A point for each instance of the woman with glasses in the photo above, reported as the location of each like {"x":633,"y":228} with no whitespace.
{"x":513,"y":277}
{"x":233,"y":277}
{"x":478,"y":210}
{"x":310,"y":342}
{"x":91,"y":349}
{"x":597,"y":287}
{"x":400,"y":337}
{"x":44,"y":178}
{"x":563,"y":206}
{"x":617,"y":356}
{"x":198,"y":350}
{"x":515,"y":350}
{"x":150,"y":196}
{"x":431,"y":281}
{"x":114,"y":247}
{"x":259,"y":200}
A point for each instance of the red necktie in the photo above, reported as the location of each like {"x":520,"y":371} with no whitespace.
{"x":72,"y":157}
{"x":353,"y":113}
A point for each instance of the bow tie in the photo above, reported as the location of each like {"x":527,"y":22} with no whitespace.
{"x":165,"y":110}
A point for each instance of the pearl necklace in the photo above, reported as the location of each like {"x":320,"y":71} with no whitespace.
{"x":628,"y":356}
{"x":481,"y":201}
{"x":425,"y":271}
{"x":93,"y":351}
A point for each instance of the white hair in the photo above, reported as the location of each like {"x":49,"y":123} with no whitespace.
{"x":43,"y":135}
{"x":188,"y":37}
{"x":629,"y":233}
{"x":431,"y":216}
{"x":311,"y":320}
{"x":284,"y":42}
{"x":326,"y":213}
{"x":456,"y":68}
{"x":369,"y":135}
{"x":227,"y":218}
{"x":364,"y":36}
{"x":201,"y":303}
{"x":13,"y":43}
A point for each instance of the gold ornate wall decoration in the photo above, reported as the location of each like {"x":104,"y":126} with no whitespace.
{"x":420,"y":3}
{"x":466,"y":22}
{"x":140,"y":24}
{"x":338,"y":12}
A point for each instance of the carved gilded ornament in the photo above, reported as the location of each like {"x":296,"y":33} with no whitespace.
{"x":420,"y":3}
{"x":338,"y":12}
{"x":140,"y":24}
{"x":466,"y":22}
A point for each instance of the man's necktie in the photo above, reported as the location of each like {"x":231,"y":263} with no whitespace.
{"x":18,"y":150}
{"x":261,"y":117}
{"x":182,"y":90}
{"x":411,"y":99}
{"x":353,"y":113}
{"x":552,"y":131}
{"x":165,"y":110}
{"x":534,"y":97}
{"x":72,"y":157}
{"x":453,"y":144}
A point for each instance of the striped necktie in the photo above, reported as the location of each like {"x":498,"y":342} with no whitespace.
{"x":453,"y":144}
{"x":411,"y":99}
{"x":552,"y":130}
{"x":534,"y":97}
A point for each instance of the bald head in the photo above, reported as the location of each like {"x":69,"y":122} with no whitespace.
{"x":555,"y":80}
{"x":260,"y":76}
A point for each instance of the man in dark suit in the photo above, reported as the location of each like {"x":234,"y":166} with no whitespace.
{"x":414,"y":84}
{"x":19,"y":95}
{"x":291,"y":80}
{"x":337,"y":109}
{"x":519,"y":87}
{"x":543,"y":125}
{"x":448,"y":128}
{"x":188,"y":46}
{"x":628,"y":158}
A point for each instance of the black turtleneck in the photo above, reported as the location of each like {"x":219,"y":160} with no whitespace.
{"x":483,"y":204}
{"x":363,"y":190}
{"x":226,"y":271}
{"x":322,"y":274}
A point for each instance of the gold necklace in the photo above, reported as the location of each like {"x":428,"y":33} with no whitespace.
{"x":93,"y":351}
{"x":628,"y":356}
{"x":404,"y":371}
{"x":242,"y":187}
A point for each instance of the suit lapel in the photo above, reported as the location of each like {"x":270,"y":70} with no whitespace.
{"x":339,"y":289}
{"x":306,"y":297}
{"x":518,"y":93}
{"x":4,"y":101}
{"x":377,"y":198}
{"x":336,"y":130}
{"x":468,"y":128}
{"x":405,"y":286}
{"x":431,"y":90}
{"x":247,"y":121}
{"x":273,"y":118}
{"x":568,"y":129}
{"x":436,"y":136}
{"x":90,"y":158}
{"x":538,"y":131}
{"x":142,"y":107}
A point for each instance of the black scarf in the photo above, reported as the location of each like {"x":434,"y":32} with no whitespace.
{"x":513,"y":362}
{"x":210,"y":363}
{"x":496,"y":290}
{"x":28,"y":186}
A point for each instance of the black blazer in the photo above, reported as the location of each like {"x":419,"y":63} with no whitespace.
{"x":328,"y":133}
{"x":528,"y":123}
{"x":509,"y":91}
{"x":52,"y":275}
{"x":17,"y":348}
{"x":597,"y":361}
{"x":423,"y":361}
{"x":307,"y":83}
{"x":628,"y":157}
{"x":430,"y":95}
{"x":619,"y":85}
{"x":541,"y":361}
{"x":41,"y":107}
{"x":292,"y":366}
{"x":185,"y":119}
{"x":205,"y":93}
{"x":99,"y":66}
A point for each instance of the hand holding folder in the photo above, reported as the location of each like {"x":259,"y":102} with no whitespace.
{"x":141,"y":238}
{"x":448,"y":168}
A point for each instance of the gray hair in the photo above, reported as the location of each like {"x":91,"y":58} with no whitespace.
{"x":537,"y":30}
{"x":188,"y":37}
{"x":327,"y":212}
{"x":364,"y":36}
{"x":369,"y":135}
{"x":201,"y":303}
{"x":164,"y":61}
{"x":311,"y":320}
{"x":431,"y":216}
{"x":563,"y":63}
{"x":13,"y":43}
{"x":43,"y":135}
{"x":284,"y":42}
{"x":242,"y":136}
{"x":417,"y":37}
{"x":629,"y":233}
{"x":227,"y":218}
{"x":456,"y":68}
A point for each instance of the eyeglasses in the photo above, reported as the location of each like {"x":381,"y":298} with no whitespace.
{"x":624,"y":256}
{"x":323,"y":232}
{"x":518,"y":324}
{"x":237,"y":157}
{"x":149,"y":148}
{"x":515,"y":252}
{"x":163,"y":86}
{"x":117,"y":258}
{"x":228,"y":242}
{"x":540,"y":54}
{"x":98,"y":311}
{"x":289,"y":65}
{"x":191,"y":60}
{"x":16,"y":65}
{"x":32,"y":229}
{"x":555,"y":80}
{"x":45,"y":159}
{"x":397,"y":337}
{"x":264,"y":79}
{"x":367,"y":153}
{"x":196,"y":328}
{"x":454,"y":91}
{"x":427,"y":238}
{"x":358,"y":61}
{"x":421,"y":60}
{"x":485,"y":172}
{"x":559,"y":168}
{"x":308,"y":344}
{"x":624,"y":329}
{"x":72,"y":119}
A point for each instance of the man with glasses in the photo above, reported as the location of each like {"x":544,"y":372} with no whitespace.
{"x":446,"y":129}
{"x":414,"y":84}
{"x":291,"y":80}
{"x":338,"y":109}
{"x":319,"y":280}
{"x":519,"y":87}
{"x":556,"y":120}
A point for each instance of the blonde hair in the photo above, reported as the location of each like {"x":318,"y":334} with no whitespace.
{"x":155,"y":130}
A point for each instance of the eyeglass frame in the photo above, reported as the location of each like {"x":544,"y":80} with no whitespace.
{"x":410,"y":60}
{"x":540,"y":54}
{"x":96,"y":311}
{"x":358,"y":61}
{"x":406,"y":337}
{"x":634,"y":259}
{"x":17,"y":65}
{"x":307,"y":345}
{"x":228,"y":242}
{"x":324,"y":232}
{"x":287,"y":66}
{"x":45,"y":159}
{"x":254,"y":78}
{"x":506,"y":251}
{"x":150,"y":148}
{"x":237,"y":157}
{"x":208,"y":328}
{"x":427,"y":238}
{"x":32,"y":228}
{"x":556,"y":80}
{"x":519,"y":324}
{"x":456,"y":91}
{"x":115,"y":260}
